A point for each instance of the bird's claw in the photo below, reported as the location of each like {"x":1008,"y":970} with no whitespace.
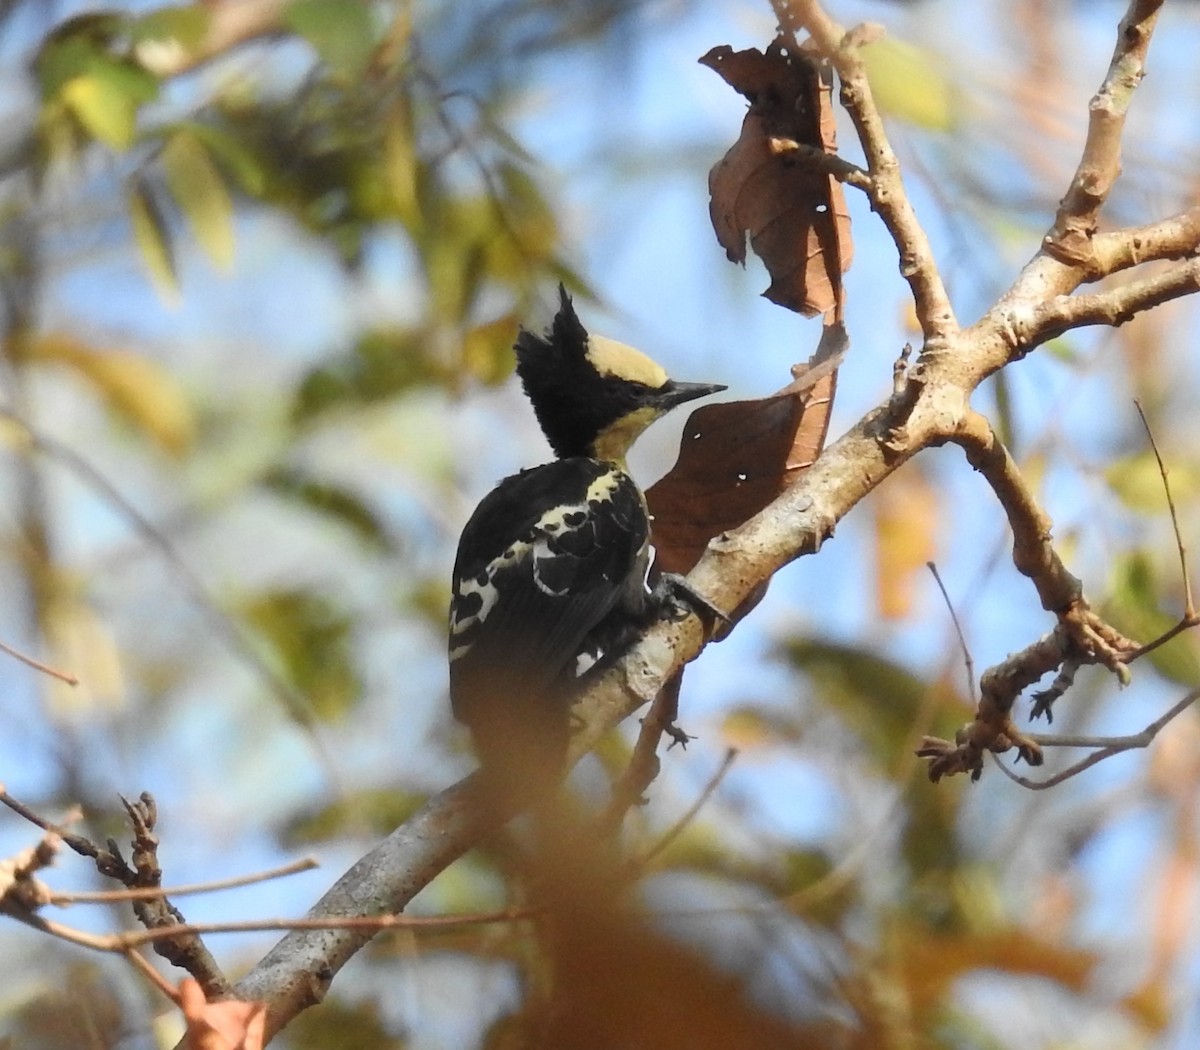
{"x":678,"y":600}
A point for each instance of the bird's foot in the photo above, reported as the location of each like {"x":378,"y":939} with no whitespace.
{"x":676,"y":599}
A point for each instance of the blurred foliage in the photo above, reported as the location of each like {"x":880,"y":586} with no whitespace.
{"x":909,"y":85}
{"x":344,"y":1024}
{"x":374,"y":811}
{"x":211,"y":530}
{"x":83,"y":1011}
{"x":311,"y":640}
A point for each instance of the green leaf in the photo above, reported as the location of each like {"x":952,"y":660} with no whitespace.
{"x":342,"y":31}
{"x":1137,"y":481}
{"x":906,"y":84}
{"x":877,"y":697}
{"x":102,"y":92}
{"x":1134,"y":607}
{"x":71,"y":48}
{"x":153,"y":238}
{"x":382,"y":364}
{"x":311,"y":640}
{"x":107,"y":112}
{"x":371,"y":810}
{"x":238,"y":159}
{"x":201,"y":194}
{"x":126,"y":77}
{"x":401,"y":166}
{"x":333,"y":502}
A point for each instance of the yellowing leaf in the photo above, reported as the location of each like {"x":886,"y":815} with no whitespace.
{"x":906,"y":524}
{"x":906,"y":84}
{"x":138,"y":390}
{"x":101,"y":92}
{"x":108,"y":113}
{"x":748,"y":728}
{"x":201,"y":194}
{"x":400,"y":165}
{"x":153,"y":239}
{"x":487,"y":349}
{"x":82,"y":645}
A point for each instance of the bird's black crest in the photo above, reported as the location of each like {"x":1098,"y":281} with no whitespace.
{"x":566,"y":340}
{"x":557,"y":358}
{"x":561,"y":383}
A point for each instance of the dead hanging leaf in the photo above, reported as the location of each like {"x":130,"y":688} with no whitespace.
{"x":795,"y":215}
{"x":737,"y":457}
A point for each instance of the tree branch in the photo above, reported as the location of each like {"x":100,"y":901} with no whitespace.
{"x":1071,"y":252}
{"x":886,"y":188}
{"x":1100,"y":164}
{"x":1033,"y":553}
{"x":1107,"y":746}
{"x":1115,"y":306}
{"x":1175,"y":237}
{"x":297,"y":972}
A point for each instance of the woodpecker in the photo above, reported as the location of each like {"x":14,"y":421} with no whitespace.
{"x":550,"y":581}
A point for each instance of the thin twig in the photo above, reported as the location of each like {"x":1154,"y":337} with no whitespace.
{"x":1174,"y":237}
{"x":1033,"y":550}
{"x":644,"y":765}
{"x":122,"y":943}
{"x":1111,"y":746}
{"x":37,"y":665}
{"x":830,"y":163}
{"x":79,"y":843}
{"x":153,"y":892}
{"x":1189,"y":609}
{"x":1186,"y":624}
{"x":677,"y":828}
{"x":141,"y":963}
{"x":1113,"y":307}
{"x":968,"y":662}
{"x":1100,"y":163}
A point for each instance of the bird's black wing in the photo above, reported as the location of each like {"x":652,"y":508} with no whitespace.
{"x":547,"y":556}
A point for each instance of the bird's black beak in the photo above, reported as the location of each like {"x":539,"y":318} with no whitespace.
{"x":677,"y":393}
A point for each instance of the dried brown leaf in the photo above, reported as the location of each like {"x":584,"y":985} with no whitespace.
{"x":735,"y":458}
{"x":795,"y":214}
